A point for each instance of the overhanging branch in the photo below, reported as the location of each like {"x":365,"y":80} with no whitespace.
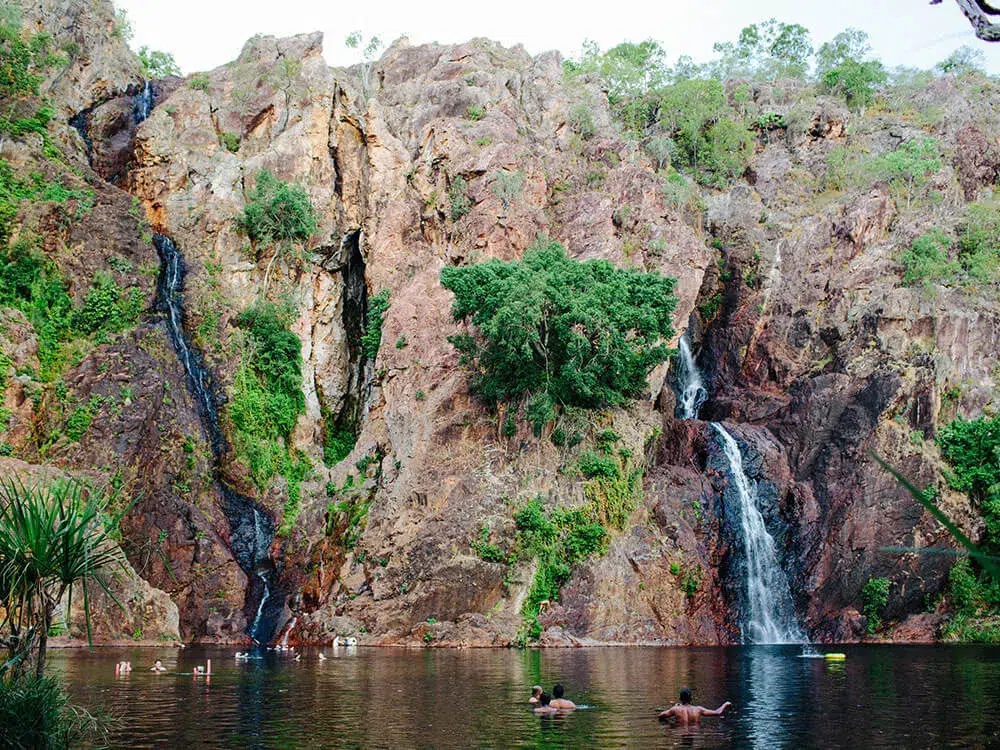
{"x":978,"y":12}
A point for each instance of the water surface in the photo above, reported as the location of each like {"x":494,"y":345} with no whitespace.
{"x":882,"y":696}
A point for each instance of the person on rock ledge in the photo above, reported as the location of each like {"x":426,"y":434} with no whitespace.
{"x":685,"y":713}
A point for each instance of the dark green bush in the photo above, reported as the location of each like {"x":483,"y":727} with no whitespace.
{"x":106,"y":308}
{"x":371,"y":339}
{"x":559,"y":539}
{"x":556,"y":330}
{"x":36,"y":713}
{"x":926,"y":260}
{"x":266,"y":400}
{"x":972,"y":447}
{"x":874,"y":597}
{"x":592,"y":465}
{"x":277,"y":211}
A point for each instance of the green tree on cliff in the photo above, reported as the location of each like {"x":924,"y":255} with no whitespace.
{"x":555,"y":331}
{"x":278,"y":215}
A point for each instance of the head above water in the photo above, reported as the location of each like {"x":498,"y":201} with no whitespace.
{"x":158,"y":662}
{"x":536,"y":690}
{"x":686,"y":696}
{"x":544,"y":699}
{"x":557,"y":691}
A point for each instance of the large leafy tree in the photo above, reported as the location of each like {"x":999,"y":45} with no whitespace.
{"x":557,"y":331}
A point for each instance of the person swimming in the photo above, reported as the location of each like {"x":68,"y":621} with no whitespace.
{"x":557,"y":699}
{"x":536,"y":691}
{"x":157,"y":667}
{"x":543,"y":706}
{"x":685,"y":713}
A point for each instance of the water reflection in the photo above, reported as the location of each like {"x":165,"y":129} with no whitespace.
{"x":879,"y":697}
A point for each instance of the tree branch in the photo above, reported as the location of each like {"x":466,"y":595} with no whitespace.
{"x":978,"y":12}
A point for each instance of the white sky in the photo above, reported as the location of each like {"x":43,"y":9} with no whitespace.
{"x":203,"y":34}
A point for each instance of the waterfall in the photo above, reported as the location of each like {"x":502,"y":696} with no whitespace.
{"x":692,"y":388}
{"x":771,"y":614}
{"x":251,"y":531}
{"x":143,"y":103}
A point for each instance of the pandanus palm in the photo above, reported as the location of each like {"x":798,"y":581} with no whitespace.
{"x":53,"y":535}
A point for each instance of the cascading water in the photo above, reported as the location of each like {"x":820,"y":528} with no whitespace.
{"x":692,"y":389}
{"x":251,"y":530}
{"x":143,"y":103}
{"x":771,"y":613}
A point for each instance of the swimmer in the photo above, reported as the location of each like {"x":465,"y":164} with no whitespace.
{"x":536,"y":691}
{"x":157,"y":667}
{"x":543,"y":706}
{"x":557,"y":699}
{"x":685,"y":713}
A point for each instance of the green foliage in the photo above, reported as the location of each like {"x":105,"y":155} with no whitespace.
{"x":976,"y":599}
{"x":81,"y":418}
{"x":230,"y":141}
{"x":36,"y":713}
{"x":157,"y":64}
{"x":580,"y":333}
{"x":371,"y":339}
{"x":630,"y":70}
{"x":353,"y":517}
{"x":963,"y":61}
{"x":709,"y":140}
{"x":338,"y":441}
{"x":691,"y":581}
{"x":908,"y":168}
{"x":266,"y":397}
{"x":122,"y":28}
{"x":559,"y":539}
{"x":475,"y":112}
{"x":979,"y":242}
{"x":594,"y":465}
{"x":926,"y":260}
{"x":199,"y":82}
{"x":874,"y":597}
{"x":106,"y":308}
{"x":972,"y":448}
{"x":53,"y":536}
{"x":458,"y":198}
{"x":277,"y":211}
{"x":507,"y":186}
{"x":766,"y":50}
{"x":710,"y":307}
{"x":485,"y":549}
{"x":581,"y":120}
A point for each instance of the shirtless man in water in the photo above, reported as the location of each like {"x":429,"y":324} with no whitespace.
{"x":557,"y":699}
{"x":685,"y":713}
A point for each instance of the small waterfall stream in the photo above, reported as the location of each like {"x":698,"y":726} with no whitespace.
{"x":143,"y":103}
{"x":251,"y":530}
{"x":771,"y":614}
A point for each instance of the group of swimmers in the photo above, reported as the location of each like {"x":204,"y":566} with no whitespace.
{"x":681,"y":712}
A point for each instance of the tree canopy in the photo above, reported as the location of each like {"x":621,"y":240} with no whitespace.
{"x":558,"y":331}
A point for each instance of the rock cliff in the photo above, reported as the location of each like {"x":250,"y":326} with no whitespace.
{"x":815,"y":352}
